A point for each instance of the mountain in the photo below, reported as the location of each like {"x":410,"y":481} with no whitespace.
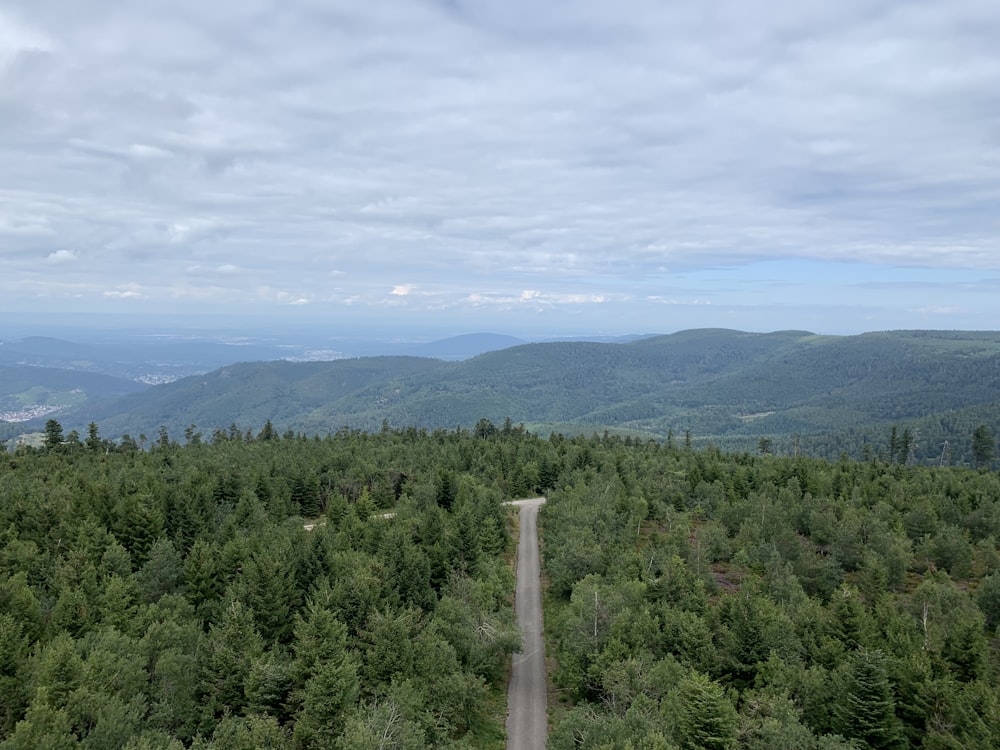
{"x":147,"y":359}
{"x":730,"y":387}
{"x":28,"y":392}
{"x":290,"y":394}
{"x":462,"y":347}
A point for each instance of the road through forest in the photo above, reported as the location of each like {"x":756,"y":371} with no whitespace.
{"x":527,"y":715}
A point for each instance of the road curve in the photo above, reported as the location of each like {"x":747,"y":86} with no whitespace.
{"x":527,"y":715}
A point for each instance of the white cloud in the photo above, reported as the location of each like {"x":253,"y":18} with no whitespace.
{"x":561,"y":155}
{"x":60,"y":256}
{"x":533,"y":298}
{"x":18,"y":38}
{"x":940,"y":310}
{"x":129,"y":291}
{"x":145,"y":151}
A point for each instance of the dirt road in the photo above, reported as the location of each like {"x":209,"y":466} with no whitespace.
{"x":527,"y":717}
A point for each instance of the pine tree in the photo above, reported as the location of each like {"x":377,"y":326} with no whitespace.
{"x":53,"y":434}
{"x":93,"y":441}
{"x":706,"y":719}
{"x":867,"y":709}
{"x":984,"y":447}
{"x":326,"y":675}
{"x":231,"y":648}
{"x":163,"y":572}
{"x":14,"y":646}
{"x":267,"y":586}
{"x":44,"y":726}
{"x":326,"y":699}
{"x":905,"y":447}
{"x":268,"y":432}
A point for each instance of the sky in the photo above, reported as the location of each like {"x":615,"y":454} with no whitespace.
{"x":553,"y":168}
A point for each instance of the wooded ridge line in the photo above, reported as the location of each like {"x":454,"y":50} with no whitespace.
{"x":783,"y":392}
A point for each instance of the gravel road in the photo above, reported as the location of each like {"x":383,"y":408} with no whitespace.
{"x":527,"y":717}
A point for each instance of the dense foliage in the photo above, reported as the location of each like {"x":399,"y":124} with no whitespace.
{"x":705,"y":600}
{"x":171,"y":597}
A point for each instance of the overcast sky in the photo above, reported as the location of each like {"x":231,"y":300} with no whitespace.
{"x":559,"y":166}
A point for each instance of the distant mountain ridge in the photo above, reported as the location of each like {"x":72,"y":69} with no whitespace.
{"x":728,"y":386}
{"x":462,"y":347}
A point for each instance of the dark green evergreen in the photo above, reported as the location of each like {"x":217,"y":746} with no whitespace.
{"x":866,"y":709}
{"x":984,"y":446}
{"x":293,"y":592}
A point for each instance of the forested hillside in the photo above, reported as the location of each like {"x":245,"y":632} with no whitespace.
{"x":255,"y":590}
{"x":173,"y":598}
{"x":705,"y":600}
{"x":801,"y":392}
{"x":41,"y":390}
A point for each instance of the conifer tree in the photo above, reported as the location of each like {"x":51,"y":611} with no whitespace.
{"x":984,"y":447}
{"x":53,"y":434}
{"x":231,"y":648}
{"x":866,"y":710}
{"x":706,"y":719}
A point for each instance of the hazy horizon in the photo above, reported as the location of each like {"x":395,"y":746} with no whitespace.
{"x":444,"y":166}
{"x":91,"y":327}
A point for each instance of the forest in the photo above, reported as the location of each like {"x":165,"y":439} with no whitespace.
{"x":172,"y":597}
{"x":824,"y":395}
{"x":250,"y":589}
{"x":707,"y":600}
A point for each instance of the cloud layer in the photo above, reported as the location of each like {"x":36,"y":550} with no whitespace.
{"x":455,"y":155}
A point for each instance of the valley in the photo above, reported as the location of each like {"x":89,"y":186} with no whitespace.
{"x":789,"y":391}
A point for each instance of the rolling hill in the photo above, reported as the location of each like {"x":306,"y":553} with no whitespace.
{"x":829,"y":392}
{"x":27,"y":391}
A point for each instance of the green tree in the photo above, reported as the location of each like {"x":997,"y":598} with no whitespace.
{"x":326,"y":698}
{"x":867,"y":708}
{"x":381,"y":726}
{"x":173,"y":689}
{"x":905,"y":447}
{"x":59,"y":670}
{"x":152,"y":739}
{"x":268,"y":432}
{"x":771,"y":721}
{"x":231,"y":648}
{"x":202,"y":580}
{"x":93,"y":441}
{"x":988,"y":597}
{"x":44,"y":727}
{"x":248,"y":733}
{"x":266,"y":584}
{"x":706,"y":718}
{"x":53,"y":434}
{"x":13,"y":657}
{"x":445,"y":492}
{"x":984,"y":447}
{"x":162,"y":573}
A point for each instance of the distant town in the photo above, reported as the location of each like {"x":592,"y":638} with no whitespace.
{"x":27,"y":413}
